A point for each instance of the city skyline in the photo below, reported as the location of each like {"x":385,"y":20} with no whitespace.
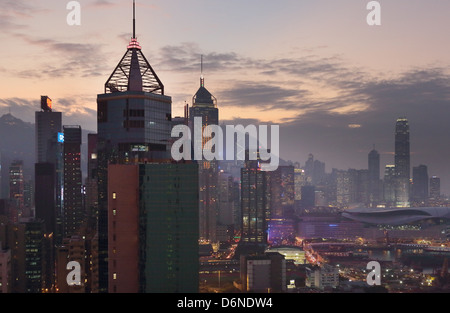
{"x":341,"y":91}
{"x":360,"y":206}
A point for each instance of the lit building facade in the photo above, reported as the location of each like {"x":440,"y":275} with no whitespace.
{"x":16,"y":190}
{"x":322,"y":278}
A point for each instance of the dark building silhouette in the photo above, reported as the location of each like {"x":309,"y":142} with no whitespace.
{"x":49,"y":145}
{"x":420,"y":184}
{"x":435,"y":188}
{"x":45,"y":195}
{"x":27,"y":243}
{"x":308,"y":200}
{"x":255,"y":208}
{"x":73,"y":209}
{"x":402,"y":163}
{"x":91,"y":200}
{"x":374,"y":177}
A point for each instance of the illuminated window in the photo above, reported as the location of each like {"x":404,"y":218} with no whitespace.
{"x":114,"y":196}
{"x":114,"y":276}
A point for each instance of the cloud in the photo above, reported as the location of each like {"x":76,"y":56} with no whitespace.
{"x":67,"y":59}
{"x":186,"y":57}
{"x":74,"y":110}
{"x":265,"y":96}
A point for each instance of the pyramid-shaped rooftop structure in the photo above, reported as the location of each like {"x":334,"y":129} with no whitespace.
{"x":134,"y":72}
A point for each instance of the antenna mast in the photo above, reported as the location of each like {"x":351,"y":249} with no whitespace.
{"x":134,"y":19}
{"x":202,"y":80}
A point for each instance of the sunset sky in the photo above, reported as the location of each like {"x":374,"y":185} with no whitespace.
{"x":334,"y":84}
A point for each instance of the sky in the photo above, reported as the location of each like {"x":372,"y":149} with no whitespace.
{"x":334,"y":84}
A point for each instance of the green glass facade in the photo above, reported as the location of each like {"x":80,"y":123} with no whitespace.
{"x":168,"y":228}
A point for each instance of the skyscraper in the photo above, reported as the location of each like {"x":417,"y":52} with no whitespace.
{"x":73,"y":209}
{"x":169,"y":216}
{"x":389,"y":185}
{"x":435,"y":188}
{"x":374,"y":177}
{"x":153,"y":228}
{"x":134,"y":125}
{"x":91,"y":203}
{"x":45,"y":180}
{"x":255,"y":208}
{"x":25,"y":239}
{"x":49,"y":163}
{"x":402,"y":163}
{"x":420,"y":184}
{"x":204,"y":105}
{"x":282,"y":192}
{"x":16,"y":189}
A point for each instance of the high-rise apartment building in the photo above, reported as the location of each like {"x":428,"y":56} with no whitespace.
{"x":153,"y":228}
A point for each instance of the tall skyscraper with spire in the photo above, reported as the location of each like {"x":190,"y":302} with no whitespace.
{"x":134,"y":126}
{"x":204,"y":105}
{"x":402,"y":163}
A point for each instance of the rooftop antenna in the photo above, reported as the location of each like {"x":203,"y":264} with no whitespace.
{"x":134,"y":19}
{"x":202,"y":80}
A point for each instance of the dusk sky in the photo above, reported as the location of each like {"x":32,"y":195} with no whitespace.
{"x":334,"y":84}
